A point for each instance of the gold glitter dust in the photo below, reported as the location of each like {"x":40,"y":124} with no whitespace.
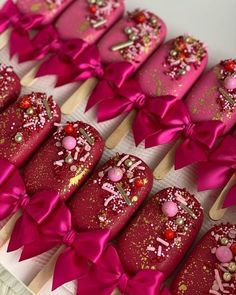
{"x":84,"y":26}
{"x":202,"y":101}
{"x":183,"y":288}
{"x":194,"y":110}
{"x":79,"y":175}
{"x":36,"y":7}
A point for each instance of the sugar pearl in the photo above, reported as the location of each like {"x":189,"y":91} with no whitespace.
{"x":230,"y":82}
{"x":169,"y":209}
{"x":224,"y":254}
{"x":115,"y":174}
{"x":69,"y":142}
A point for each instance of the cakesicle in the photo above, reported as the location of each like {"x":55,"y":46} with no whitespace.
{"x":25,"y":125}
{"x":161,"y":233}
{"x":112,"y":195}
{"x":50,"y":9}
{"x":211,"y":267}
{"x":171,"y":71}
{"x":71,"y":154}
{"x":9,"y":85}
{"x":132,"y":40}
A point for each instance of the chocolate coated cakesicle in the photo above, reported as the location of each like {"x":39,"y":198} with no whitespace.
{"x":211,"y":268}
{"x":71,"y":154}
{"x":214,"y":96}
{"x":171,"y":71}
{"x":161,"y":233}
{"x":9,"y":85}
{"x":89,"y":21}
{"x":111,"y":195}
{"x":50,"y":9}
{"x":24,"y":126}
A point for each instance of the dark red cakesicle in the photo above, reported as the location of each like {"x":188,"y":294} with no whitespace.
{"x":24,"y":126}
{"x":211,"y":268}
{"x":9,"y":85}
{"x":71,"y":154}
{"x":161,"y":233}
{"x":112,"y":195}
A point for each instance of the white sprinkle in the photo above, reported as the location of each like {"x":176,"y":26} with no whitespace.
{"x":159,"y":251}
{"x":60,"y":153}
{"x":162,"y":242}
{"x":214,"y":292}
{"x":108,"y":187}
{"x":122,"y":160}
{"x":84,"y":158}
{"x":151,"y":248}
{"x":76,"y":156}
{"x":108,"y":200}
{"x":218,"y":279}
{"x":135,"y":165}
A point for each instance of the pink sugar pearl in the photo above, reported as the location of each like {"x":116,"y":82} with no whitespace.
{"x":224,"y":254}
{"x":115,"y":174}
{"x":69,"y":142}
{"x":169,"y":209}
{"x":230,"y":82}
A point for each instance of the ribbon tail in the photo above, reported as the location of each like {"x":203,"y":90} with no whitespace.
{"x":230,"y":199}
{"x":19,"y":41}
{"x":78,"y":267}
{"x":189,"y":152}
{"x":62,"y":69}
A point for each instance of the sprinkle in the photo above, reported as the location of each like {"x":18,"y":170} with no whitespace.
{"x":214,"y":292}
{"x":188,"y":210}
{"x":151,"y":248}
{"x":159,"y":251}
{"x":135,"y":165}
{"x":122,"y":160}
{"x":84,"y":158}
{"x":48,"y":110}
{"x":107,"y":201}
{"x":76,"y":156}
{"x":124,"y":195}
{"x":162,"y":242}
{"x":59,"y":163}
{"x":107,"y":187}
{"x":85,"y":134}
{"x":60,"y":153}
{"x":218,"y":279}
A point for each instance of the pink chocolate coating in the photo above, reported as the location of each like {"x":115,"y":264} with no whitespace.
{"x":50,"y":9}
{"x":33,"y":128}
{"x":146,"y":242}
{"x":46,"y":173}
{"x":155,"y":82}
{"x":103,"y":203}
{"x":203,"y":273}
{"x":202,"y":100}
{"x":9,"y":85}
{"x":74,"y":22}
{"x":117,"y":35}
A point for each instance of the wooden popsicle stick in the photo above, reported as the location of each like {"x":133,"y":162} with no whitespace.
{"x":167,"y":163}
{"x":29,"y":78}
{"x":217,"y":211}
{"x":78,"y":96}
{"x":116,"y":292}
{"x":45,"y":274}
{"x":121,"y":131}
{"x":4,"y":38}
{"x":7,"y":229}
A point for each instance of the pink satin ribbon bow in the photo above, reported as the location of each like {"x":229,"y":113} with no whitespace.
{"x":64,"y":53}
{"x":41,"y":232}
{"x":13,"y":195}
{"x":122,"y":98}
{"x":219,"y":168}
{"x":198,"y":137}
{"x":108,"y":274}
{"x":11,"y":16}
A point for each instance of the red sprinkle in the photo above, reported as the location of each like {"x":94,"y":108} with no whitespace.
{"x":69,"y":129}
{"x":233,"y":248}
{"x":93,"y":8}
{"x":25,"y":103}
{"x":138,"y":182}
{"x":140,"y":18}
{"x":229,"y":65}
{"x":169,"y":234}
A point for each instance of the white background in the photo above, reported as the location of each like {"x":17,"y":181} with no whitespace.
{"x":214,"y":22}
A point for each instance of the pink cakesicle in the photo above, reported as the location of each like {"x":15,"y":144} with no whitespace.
{"x":50,"y":9}
{"x":25,"y":125}
{"x":169,"y":72}
{"x":72,"y":153}
{"x":161,"y":233}
{"x":88,"y":20}
{"x":112,"y":195}
{"x":214,"y":96}
{"x":172,"y":70}
{"x":10,"y":86}
{"x":211,"y":267}
{"x":123,"y":49}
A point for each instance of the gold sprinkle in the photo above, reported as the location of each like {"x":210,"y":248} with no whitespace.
{"x":122,"y":45}
{"x":36,"y":7}
{"x":48,"y":110}
{"x":134,"y":199}
{"x":227,"y":96}
{"x":183,"y":287}
{"x":123,"y":193}
{"x":85,"y":134}
{"x":188,"y":210}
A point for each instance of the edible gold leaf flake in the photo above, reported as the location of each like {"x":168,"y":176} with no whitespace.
{"x":84,"y":26}
{"x":79,"y":175}
{"x":36,"y":7}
